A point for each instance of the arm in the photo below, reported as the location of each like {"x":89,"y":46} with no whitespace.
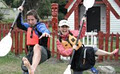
{"x":42,"y":28}
{"x":20,"y":23}
{"x":83,"y":28}
{"x":76,"y":32}
{"x":62,"y":51}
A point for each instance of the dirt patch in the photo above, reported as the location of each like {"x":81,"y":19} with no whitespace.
{"x":104,"y":63}
{"x":54,"y":61}
{"x":110,"y":62}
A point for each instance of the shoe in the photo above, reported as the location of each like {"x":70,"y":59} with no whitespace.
{"x":115,"y":52}
{"x":94,"y":70}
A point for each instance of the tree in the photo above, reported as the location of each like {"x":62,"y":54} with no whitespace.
{"x":13,"y":3}
{"x":43,"y":7}
{"x":1,"y":16}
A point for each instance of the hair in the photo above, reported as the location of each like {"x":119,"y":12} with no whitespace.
{"x":34,"y":13}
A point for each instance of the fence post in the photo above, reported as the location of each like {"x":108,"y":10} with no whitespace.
{"x":117,"y":45}
{"x":21,"y":41}
{"x":54,"y":7}
{"x":101,"y":37}
{"x":106,"y":44}
{"x":111,"y":45}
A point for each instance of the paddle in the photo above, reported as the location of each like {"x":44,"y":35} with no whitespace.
{"x":6,"y":42}
{"x":88,"y":4}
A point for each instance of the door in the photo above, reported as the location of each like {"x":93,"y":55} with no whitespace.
{"x":93,"y":19}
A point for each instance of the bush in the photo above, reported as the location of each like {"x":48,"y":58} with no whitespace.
{"x":1,"y":16}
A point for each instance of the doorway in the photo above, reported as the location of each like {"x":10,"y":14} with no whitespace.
{"x":93,"y":19}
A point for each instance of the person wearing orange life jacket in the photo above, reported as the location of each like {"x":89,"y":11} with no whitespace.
{"x":65,"y":46}
{"x":37,"y":35}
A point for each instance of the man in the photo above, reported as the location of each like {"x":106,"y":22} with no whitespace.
{"x":65,"y":46}
{"x":37,"y":35}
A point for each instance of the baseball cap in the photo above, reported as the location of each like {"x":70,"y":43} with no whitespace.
{"x":63,"y":22}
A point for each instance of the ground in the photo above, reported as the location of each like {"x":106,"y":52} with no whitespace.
{"x":11,"y":64}
{"x":113,"y":63}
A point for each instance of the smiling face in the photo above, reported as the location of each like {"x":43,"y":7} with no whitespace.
{"x":31,"y":20}
{"x":64,"y":29}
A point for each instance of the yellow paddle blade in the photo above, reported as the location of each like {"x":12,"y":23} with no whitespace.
{"x":5,"y":45}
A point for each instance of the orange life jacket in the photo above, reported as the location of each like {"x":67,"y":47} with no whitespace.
{"x":32,"y":38}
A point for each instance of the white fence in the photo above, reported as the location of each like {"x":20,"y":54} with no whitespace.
{"x":90,"y":39}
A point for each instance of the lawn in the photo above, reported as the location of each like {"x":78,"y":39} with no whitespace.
{"x":11,"y":64}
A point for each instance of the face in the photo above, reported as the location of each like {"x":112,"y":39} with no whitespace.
{"x":31,"y":20}
{"x":64,"y":29}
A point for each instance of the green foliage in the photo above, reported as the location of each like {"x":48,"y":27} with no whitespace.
{"x":13,"y":3}
{"x":5,"y":21}
{"x":1,"y":16}
{"x":42,"y":6}
{"x":60,"y":16}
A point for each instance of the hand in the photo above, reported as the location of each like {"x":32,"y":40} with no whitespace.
{"x":75,"y":47}
{"x":84,"y":18}
{"x":44,"y":35}
{"x":20,"y":8}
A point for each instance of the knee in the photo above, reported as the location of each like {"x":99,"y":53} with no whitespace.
{"x":37,"y":47}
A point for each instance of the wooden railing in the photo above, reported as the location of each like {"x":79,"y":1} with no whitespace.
{"x":107,"y":42}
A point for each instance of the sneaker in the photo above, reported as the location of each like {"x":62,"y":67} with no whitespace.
{"x":94,"y":70}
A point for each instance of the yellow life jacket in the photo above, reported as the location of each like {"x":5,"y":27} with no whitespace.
{"x":70,"y":42}
{"x":32,"y":38}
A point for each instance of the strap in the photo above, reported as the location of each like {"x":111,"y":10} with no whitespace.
{"x":70,"y":33}
{"x":32,"y":30}
{"x":60,"y":39}
{"x":35,"y":28}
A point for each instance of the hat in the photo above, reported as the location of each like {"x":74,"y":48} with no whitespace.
{"x":63,"y":22}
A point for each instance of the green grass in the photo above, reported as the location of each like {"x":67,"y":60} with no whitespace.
{"x":11,"y":64}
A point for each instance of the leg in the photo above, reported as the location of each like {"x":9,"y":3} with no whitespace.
{"x":29,"y":57}
{"x":35,"y":60}
{"x":36,"y":57}
{"x":102,"y":52}
{"x":27,"y":64}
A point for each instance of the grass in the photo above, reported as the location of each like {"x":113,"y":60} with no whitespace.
{"x":11,"y":64}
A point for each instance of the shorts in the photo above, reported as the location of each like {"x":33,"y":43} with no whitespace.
{"x":94,"y":47}
{"x":44,"y":56}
